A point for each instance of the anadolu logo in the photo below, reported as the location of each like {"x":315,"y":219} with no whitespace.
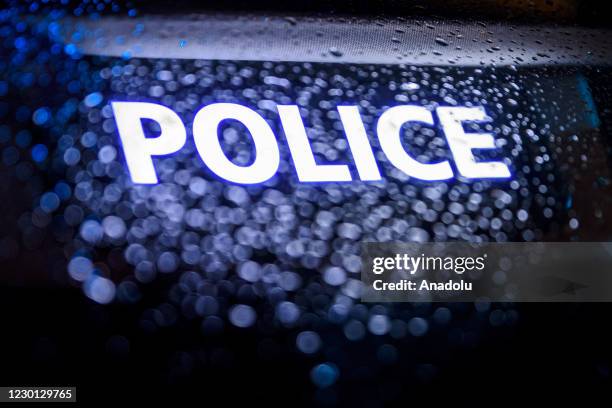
{"x":140,"y":150}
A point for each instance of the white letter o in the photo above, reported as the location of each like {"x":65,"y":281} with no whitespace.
{"x":206,"y":138}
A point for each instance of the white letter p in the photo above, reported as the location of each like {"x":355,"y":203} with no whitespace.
{"x":139,"y":149}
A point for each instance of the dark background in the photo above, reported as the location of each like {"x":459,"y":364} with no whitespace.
{"x":556,"y":352}
{"x":56,"y":336}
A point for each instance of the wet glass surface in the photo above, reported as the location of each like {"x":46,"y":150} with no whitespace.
{"x":278,"y":263}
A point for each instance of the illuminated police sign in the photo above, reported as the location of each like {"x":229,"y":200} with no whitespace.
{"x":139,"y":150}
